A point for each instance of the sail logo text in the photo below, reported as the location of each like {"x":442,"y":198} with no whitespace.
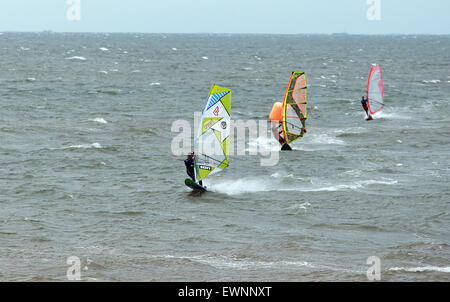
{"x":216,"y":111}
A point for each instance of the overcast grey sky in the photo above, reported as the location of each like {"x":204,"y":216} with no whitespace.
{"x":229,"y":16}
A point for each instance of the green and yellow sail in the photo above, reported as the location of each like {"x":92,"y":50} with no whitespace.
{"x":212,"y":139}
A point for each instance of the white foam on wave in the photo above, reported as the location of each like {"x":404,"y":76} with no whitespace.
{"x":281,"y":175}
{"x":231,"y":262}
{"x":278,"y":183}
{"x":155,"y":84}
{"x":242,"y":186}
{"x":392,"y":116}
{"x":77,"y":58}
{"x":205,"y":58}
{"x":103,"y":71}
{"x":431,"y":81}
{"x":378,"y":182}
{"x":87,"y":146}
{"x":103,"y":49}
{"x":263,"y":145}
{"x":332,"y":188}
{"x":445,"y":269}
{"x":99,"y":120}
{"x":321,"y":139}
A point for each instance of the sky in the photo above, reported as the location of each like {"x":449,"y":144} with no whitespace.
{"x":228,"y":16}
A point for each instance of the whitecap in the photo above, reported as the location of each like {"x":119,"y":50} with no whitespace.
{"x":377,"y":182}
{"x":205,"y":58}
{"x":323,"y":139}
{"x":77,"y":58}
{"x":99,"y":120}
{"x":222,"y":261}
{"x":263,"y":145}
{"x":174,"y":49}
{"x":103,"y":71}
{"x":155,"y":84}
{"x":422,"y":269}
{"x":242,"y":186}
{"x":386,"y":115}
{"x":281,"y":175}
{"x":103,"y":49}
{"x":94,"y":145}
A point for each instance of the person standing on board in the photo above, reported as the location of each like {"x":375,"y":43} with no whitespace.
{"x":189,"y":163}
{"x":366,"y":108}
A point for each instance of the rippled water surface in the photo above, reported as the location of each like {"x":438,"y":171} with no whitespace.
{"x":86,"y":167}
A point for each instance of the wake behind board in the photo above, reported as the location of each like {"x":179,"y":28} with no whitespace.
{"x":194,"y":186}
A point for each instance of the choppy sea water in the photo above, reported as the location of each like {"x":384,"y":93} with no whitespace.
{"x":87,"y":169}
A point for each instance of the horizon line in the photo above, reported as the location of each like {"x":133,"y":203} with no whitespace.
{"x":224,"y":33}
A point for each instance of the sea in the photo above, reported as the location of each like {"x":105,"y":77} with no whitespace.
{"x":92,"y":176}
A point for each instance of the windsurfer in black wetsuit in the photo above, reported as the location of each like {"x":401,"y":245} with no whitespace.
{"x":189,"y":163}
{"x":366,"y":108}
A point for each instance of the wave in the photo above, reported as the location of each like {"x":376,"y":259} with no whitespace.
{"x":445,"y":269}
{"x":77,"y":58}
{"x":386,"y":115}
{"x":377,"y":182}
{"x":431,"y":81}
{"x":263,"y":145}
{"x":317,"y":141}
{"x":99,"y":120}
{"x":258,"y":185}
{"x":234,"y":262}
{"x":86,"y":146}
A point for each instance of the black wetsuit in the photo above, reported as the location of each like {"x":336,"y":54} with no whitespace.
{"x":364,"y":104}
{"x":189,"y":163}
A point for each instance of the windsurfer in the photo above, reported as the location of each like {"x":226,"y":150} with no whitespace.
{"x":189,"y":163}
{"x":366,"y":108}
